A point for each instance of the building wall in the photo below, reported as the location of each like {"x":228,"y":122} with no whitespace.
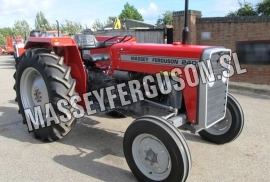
{"x":257,"y":74}
{"x":226,"y":31}
{"x":178,"y":25}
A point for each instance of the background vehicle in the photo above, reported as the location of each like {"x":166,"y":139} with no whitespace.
{"x":2,"y":50}
{"x":55,"y":68}
{"x":53,"y":33}
{"x":18,"y":47}
{"x":9,"y":45}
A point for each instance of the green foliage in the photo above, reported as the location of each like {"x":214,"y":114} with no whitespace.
{"x":71,"y":27}
{"x":6,"y":31}
{"x":109,"y":21}
{"x":167,"y":19}
{"x":21,"y":28}
{"x":246,"y":9}
{"x":97,"y":25}
{"x":263,"y":8}
{"x":2,"y":39}
{"x":130,"y":12}
{"x":41,"y":23}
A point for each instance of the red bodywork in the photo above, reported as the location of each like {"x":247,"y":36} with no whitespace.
{"x":72,"y":56}
{"x":66,"y":46}
{"x":105,"y":64}
{"x":19,"y":48}
{"x":9,"y":45}
{"x":162,"y":50}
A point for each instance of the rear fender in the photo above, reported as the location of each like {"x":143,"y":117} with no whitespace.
{"x":72,"y":58}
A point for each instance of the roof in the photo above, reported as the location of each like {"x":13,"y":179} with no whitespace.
{"x":131,"y":24}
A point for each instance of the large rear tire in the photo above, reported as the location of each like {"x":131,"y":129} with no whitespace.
{"x":156,"y":151}
{"x":43,"y":78}
{"x":229,"y":128}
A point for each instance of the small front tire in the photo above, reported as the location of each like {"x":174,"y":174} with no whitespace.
{"x":229,"y":128}
{"x":156,"y":151}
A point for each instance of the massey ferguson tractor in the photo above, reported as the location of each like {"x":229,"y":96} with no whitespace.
{"x":144,"y":81}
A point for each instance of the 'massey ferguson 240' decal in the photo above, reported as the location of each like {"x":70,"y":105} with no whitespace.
{"x":157,"y":60}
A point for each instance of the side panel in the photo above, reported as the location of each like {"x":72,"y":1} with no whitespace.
{"x":153,"y":58}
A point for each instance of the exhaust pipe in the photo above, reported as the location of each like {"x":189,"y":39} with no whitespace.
{"x":58,"y":28}
{"x":185,"y":31}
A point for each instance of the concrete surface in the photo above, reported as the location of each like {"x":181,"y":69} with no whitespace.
{"x":255,"y":88}
{"x":93,"y":150}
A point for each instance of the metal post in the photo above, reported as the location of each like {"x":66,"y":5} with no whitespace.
{"x":185,"y":31}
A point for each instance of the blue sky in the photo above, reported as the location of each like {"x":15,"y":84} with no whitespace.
{"x":86,"y":11}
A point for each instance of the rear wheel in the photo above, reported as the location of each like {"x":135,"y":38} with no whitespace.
{"x":229,"y":128}
{"x":156,"y":151}
{"x":43,"y":78}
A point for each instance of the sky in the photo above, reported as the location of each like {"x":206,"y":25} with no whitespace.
{"x":86,"y":11}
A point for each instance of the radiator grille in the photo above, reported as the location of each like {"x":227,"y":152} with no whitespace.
{"x":213,"y":96}
{"x":217,"y":94}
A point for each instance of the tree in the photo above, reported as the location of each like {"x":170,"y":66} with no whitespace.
{"x":130,"y":12}
{"x":6,"y":31}
{"x":97,"y":25}
{"x":2,"y":39}
{"x":167,"y":19}
{"x":21,"y":28}
{"x":71,"y":27}
{"x":41,"y":23}
{"x":246,"y":9}
{"x":263,"y":8}
{"x":109,"y":20}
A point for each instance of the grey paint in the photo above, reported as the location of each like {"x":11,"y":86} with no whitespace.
{"x":209,"y":110}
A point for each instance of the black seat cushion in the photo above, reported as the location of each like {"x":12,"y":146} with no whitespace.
{"x":94,"y":58}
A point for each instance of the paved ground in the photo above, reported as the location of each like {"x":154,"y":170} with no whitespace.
{"x":93,"y":150}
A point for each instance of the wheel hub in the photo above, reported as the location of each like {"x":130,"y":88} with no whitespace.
{"x":222,"y":126}
{"x":151,"y":156}
{"x":37,"y":95}
{"x":33,"y":89}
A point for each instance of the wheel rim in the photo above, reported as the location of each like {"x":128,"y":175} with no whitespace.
{"x":33,"y":90}
{"x":151,"y":157}
{"x":222,"y":126}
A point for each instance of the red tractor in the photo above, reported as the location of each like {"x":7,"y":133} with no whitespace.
{"x":57,"y":79}
{"x":9,"y":45}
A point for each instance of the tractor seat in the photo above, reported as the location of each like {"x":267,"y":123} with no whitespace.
{"x":95,"y":58}
{"x":87,"y":42}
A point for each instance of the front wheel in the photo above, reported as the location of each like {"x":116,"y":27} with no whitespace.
{"x":156,"y":151}
{"x":229,"y":128}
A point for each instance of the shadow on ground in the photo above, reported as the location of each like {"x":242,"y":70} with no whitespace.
{"x":250,"y":94}
{"x":8,"y":64}
{"x":99,"y":149}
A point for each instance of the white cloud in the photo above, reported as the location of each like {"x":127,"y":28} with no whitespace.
{"x":53,"y":10}
{"x":17,"y":10}
{"x":150,"y":13}
{"x":151,"y":10}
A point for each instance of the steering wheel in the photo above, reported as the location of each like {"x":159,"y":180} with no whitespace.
{"x":122,"y":40}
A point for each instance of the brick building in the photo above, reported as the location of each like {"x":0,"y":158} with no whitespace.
{"x":249,"y":37}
